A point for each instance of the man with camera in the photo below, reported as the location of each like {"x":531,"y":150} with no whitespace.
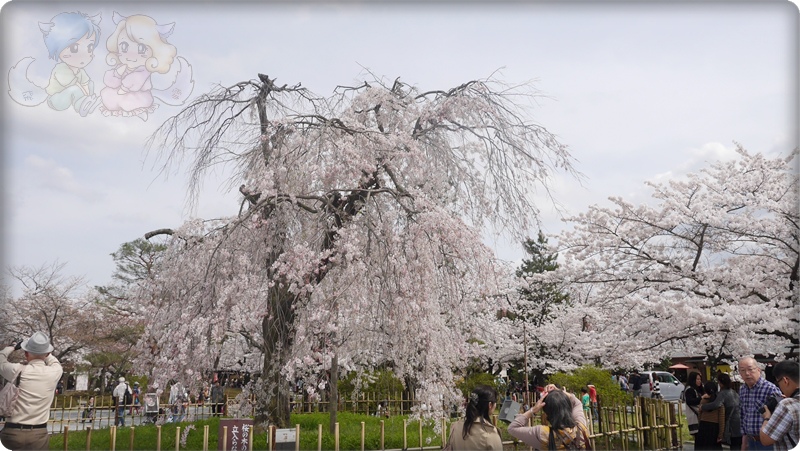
{"x":782,"y":417}
{"x":27,"y":426}
{"x":753,"y":394}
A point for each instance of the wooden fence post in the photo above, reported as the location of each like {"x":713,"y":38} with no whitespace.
{"x":362,"y":435}
{"x":444,"y":432}
{"x":158,"y":437}
{"x":66,"y":436}
{"x":88,"y":438}
{"x":319,"y":437}
{"x":420,"y":433}
{"x":623,"y":436}
{"x":297,"y":437}
{"x":205,"y":438}
{"x":133,"y":432}
{"x":270,"y":436}
{"x":336,"y":436}
{"x":383,"y":435}
{"x":405,"y":434}
{"x":113,"y":432}
{"x":177,"y":438}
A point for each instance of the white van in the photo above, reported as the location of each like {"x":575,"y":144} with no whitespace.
{"x":671,"y":388}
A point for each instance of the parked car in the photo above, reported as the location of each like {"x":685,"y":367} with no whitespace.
{"x":670,"y":387}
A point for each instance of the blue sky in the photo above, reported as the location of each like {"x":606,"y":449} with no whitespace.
{"x":638,"y":90}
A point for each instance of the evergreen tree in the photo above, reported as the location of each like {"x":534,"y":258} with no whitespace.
{"x":536,"y":302}
{"x":538,"y":297}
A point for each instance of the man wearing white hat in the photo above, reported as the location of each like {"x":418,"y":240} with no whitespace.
{"x":119,"y":396}
{"x":26,"y":428}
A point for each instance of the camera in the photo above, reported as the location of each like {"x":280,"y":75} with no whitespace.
{"x":771,"y":404}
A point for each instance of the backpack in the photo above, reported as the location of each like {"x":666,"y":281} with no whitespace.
{"x":128,"y":397}
{"x":9,"y":395}
{"x":581,"y":441}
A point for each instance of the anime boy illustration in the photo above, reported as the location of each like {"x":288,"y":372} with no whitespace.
{"x":70,"y":39}
{"x":137,"y":49}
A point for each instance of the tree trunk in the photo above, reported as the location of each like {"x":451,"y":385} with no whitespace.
{"x":277,"y":332}
{"x":333,"y":405}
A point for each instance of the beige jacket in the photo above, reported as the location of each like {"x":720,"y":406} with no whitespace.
{"x":37,"y":387}
{"x":482,"y":436}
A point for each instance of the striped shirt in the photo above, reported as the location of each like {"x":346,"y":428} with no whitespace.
{"x":784,"y":424}
{"x":750,"y":400}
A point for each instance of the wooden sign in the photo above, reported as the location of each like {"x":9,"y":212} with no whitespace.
{"x":238,"y":435}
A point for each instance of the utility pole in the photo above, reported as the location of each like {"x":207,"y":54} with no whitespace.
{"x":525,"y":360}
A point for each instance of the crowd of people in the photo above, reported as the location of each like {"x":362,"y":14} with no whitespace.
{"x":129,"y":400}
{"x":761,"y":416}
{"x":564,"y":425}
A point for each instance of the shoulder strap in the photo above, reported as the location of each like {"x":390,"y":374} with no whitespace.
{"x":585,"y":432}
{"x":16,"y":382}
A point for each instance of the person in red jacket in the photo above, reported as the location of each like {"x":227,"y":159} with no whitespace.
{"x":593,"y":399}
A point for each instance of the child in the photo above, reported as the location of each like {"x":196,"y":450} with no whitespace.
{"x":586,"y":401}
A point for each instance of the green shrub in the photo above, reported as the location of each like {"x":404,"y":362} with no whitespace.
{"x":381,"y":385}
{"x":473,"y":380}
{"x":608,"y":391}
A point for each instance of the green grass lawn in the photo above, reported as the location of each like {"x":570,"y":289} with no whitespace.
{"x":145,"y":437}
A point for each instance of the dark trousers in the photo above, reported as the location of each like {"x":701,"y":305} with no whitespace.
{"x":706,"y":437}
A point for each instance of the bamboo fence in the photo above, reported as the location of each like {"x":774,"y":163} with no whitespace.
{"x":648,"y":424}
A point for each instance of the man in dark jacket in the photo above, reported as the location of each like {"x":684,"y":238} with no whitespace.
{"x":217,"y":398}
{"x":636,"y":384}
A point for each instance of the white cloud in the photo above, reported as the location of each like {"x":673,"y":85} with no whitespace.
{"x":60,"y":180}
{"x":698,"y":158}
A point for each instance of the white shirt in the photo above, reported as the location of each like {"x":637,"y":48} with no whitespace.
{"x":119,"y":392}
{"x":37,"y":387}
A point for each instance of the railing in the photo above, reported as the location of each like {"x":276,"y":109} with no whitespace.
{"x":648,"y":424}
{"x":76,"y":414}
{"x":365,"y":403}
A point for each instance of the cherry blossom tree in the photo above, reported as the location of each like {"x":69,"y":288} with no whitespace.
{"x":710,"y":268}
{"x":358,"y":241}
{"x":50,"y":302}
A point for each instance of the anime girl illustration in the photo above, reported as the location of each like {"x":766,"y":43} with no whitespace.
{"x":138,"y":49}
{"x":70,"y":39}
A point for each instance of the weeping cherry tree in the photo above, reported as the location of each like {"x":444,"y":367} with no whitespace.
{"x":358,"y":241}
